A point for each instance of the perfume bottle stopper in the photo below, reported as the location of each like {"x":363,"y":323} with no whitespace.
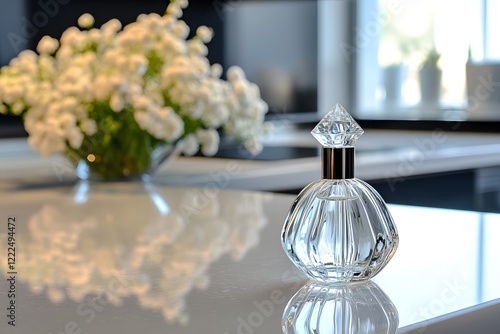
{"x":337,"y":133}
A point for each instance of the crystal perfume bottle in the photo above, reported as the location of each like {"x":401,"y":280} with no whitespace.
{"x":339,"y":228}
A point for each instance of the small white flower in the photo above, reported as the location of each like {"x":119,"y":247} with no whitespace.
{"x":174,"y":126}
{"x":216,"y":70}
{"x":209,"y":140}
{"x":74,"y":137}
{"x":142,"y":119}
{"x":86,"y":21}
{"x":174,"y":9}
{"x":113,"y":25}
{"x":183,"y":3}
{"x":94,"y":35}
{"x":64,"y":52}
{"x":73,"y":38}
{"x":196,"y":47}
{"x":142,"y":17}
{"x":235,"y":73}
{"x":190,"y":145}
{"x":180,"y":29}
{"x":253,"y":145}
{"x":138,"y":64}
{"x":116,"y":103}
{"x":18,"y":107}
{"x":47,"y":45}
{"x":102,"y":88}
{"x":204,"y":33}
{"x":89,"y":126}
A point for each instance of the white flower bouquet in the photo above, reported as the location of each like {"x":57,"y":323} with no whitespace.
{"x":112,"y":97}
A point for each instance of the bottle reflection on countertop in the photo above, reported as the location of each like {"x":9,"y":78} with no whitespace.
{"x":361,"y":308}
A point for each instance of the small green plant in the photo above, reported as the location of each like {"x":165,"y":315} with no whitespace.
{"x":432,"y":58}
{"x":469,"y":54}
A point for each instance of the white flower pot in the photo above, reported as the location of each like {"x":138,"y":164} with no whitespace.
{"x":430,"y":85}
{"x":394,"y":77}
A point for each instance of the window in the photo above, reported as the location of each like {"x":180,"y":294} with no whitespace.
{"x":396,"y":39}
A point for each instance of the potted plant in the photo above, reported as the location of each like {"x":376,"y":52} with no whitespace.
{"x":430,"y":76}
{"x":482,"y":77}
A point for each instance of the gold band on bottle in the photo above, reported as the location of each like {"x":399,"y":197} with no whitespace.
{"x":337,"y":163}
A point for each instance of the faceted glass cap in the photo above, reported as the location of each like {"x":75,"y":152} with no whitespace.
{"x":337,"y":129}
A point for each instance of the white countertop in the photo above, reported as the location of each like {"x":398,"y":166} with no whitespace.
{"x":123,"y":258}
{"x":381,"y":155}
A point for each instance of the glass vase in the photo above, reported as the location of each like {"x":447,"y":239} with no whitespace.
{"x":139,"y":165}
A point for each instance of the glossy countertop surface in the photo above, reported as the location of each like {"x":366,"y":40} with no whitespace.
{"x":139,"y":258}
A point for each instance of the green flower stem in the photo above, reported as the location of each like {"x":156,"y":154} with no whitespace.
{"x":119,"y":149}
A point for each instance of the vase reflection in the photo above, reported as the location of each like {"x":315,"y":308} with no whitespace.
{"x":104,"y":242}
{"x":361,"y":308}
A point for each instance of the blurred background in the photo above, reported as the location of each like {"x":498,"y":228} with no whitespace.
{"x":383,"y":60}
